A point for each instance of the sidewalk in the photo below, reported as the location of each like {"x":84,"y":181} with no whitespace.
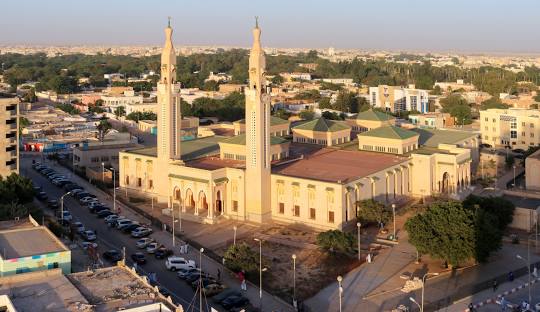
{"x":269,"y":303}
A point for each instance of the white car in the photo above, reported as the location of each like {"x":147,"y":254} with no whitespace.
{"x":89,"y":235}
{"x":111,"y":218}
{"x":87,"y":200}
{"x":67,"y":216}
{"x":177,"y":263}
{"x":144,"y":242}
{"x":123,"y":223}
{"x":141,"y":231}
{"x":152,"y":247}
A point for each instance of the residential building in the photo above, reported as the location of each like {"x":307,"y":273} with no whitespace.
{"x":398,"y":99}
{"x":87,"y":156}
{"x":532,"y":167}
{"x":128,"y":97}
{"x":230,"y":87}
{"x":453,"y":86}
{"x":9,"y":134}
{"x":27,"y":246}
{"x":219,"y":77}
{"x":435,"y":120}
{"x":513,"y":127}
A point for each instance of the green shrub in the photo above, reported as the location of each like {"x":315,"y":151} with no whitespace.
{"x":337,"y":241}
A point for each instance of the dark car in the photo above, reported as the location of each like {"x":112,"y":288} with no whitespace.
{"x":112,"y":255}
{"x":235,"y":302}
{"x":70,"y":186}
{"x":103,"y":213}
{"x":138,"y":258}
{"x":97,"y":208}
{"x":164,"y":291}
{"x":42,"y":196}
{"x":52,"y":203}
{"x":37,"y":189}
{"x":226,"y":294}
{"x":205,"y":282}
{"x":195,"y":276}
{"x":130,"y":227}
{"x":162,"y":253}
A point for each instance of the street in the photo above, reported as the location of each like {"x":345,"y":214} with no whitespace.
{"x":110,"y":238}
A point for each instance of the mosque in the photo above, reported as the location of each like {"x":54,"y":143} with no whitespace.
{"x":262,"y":175}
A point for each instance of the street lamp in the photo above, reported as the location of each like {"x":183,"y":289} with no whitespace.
{"x":358,"y":225}
{"x":294,"y":280}
{"x":423,"y":287}
{"x":528,"y":263}
{"x":260,"y":272}
{"x":394,"y":213}
{"x":179,"y":214}
{"x":103,"y":172}
{"x":62,"y":209}
{"x":415,"y":302}
{"x":173,"y":236}
{"x":114,"y":188}
{"x":514,"y":175}
{"x":340,"y":290}
{"x":200,"y":279}
{"x":234,"y":237}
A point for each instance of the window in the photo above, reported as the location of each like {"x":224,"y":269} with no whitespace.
{"x":127,"y":180}
{"x":235,"y":206}
{"x":139,"y":182}
{"x":94,"y":159}
{"x":150,"y":183}
{"x":513,"y":125}
{"x":312,"y":213}
{"x":523,"y":133}
{"x":330,"y":216}
{"x":523,"y":124}
{"x":177,"y":194}
{"x":513,"y":134}
{"x":281,"y":208}
{"x":486,"y":119}
{"x":494,"y":120}
{"x":104,"y":158}
{"x":296,"y":211}
{"x":532,"y":135}
{"x":531,"y":125}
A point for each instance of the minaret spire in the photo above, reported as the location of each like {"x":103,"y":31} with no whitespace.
{"x":169,"y":22}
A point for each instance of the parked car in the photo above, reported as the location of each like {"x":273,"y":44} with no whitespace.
{"x":190,"y":278}
{"x":226,"y":294}
{"x":111,"y":218}
{"x":131,"y":227}
{"x":235,"y":302}
{"x":164,"y":291}
{"x":76,"y":192}
{"x":112,"y":255}
{"x":37,"y":189}
{"x":176,"y":263}
{"x":213,"y":289}
{"x":67,"y":217}
{"x":138,"y":258}
{"x":141,"y":231}
{"x":143,"y":242}
{"x":42,"y":196}
{"x":87,"y":245}
{"x":162,"y":253}
{"x":183,"y":273}
{"x":87,"y":200}
{"x":78,"y":227}
{"x":120,"y":224}
{"x":52,"y":203}
{"x":89,"y":235}
{"x":205,"y":282}
{"x":103,"y":213}
{"x":152,"y":247}
{"x":97,"y":207}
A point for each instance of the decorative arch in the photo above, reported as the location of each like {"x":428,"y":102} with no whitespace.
{"x":203,"y":204}
{"x":219,"y":203}
{"x":188,"y":200}
{"x":177,"y":194}
{"x":445,"y":183}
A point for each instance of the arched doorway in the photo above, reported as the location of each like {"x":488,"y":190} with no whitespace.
{"x":189,"y":202}
{"x":202,"y":204}
{"x":445,"y":183}
{"x":177,"y":194}
{"x":219,"y":204}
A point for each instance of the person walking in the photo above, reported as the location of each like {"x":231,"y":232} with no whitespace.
{"x":495,"y":285}
{"x":471,"y":307}
{"x":219,"y":275}
{"x":511,"y":276}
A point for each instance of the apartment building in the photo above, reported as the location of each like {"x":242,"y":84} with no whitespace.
{"x":9,"y":134}
{"x":397,"y":99}
{"x":514,"y":127}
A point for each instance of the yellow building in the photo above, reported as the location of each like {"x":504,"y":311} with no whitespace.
{"x":514,"y":127}
{"x":388,"y":139}
{"x":260,"y":177}
{"x":278,"y":127}
{"x":370,"y":119}
{"x":9,"y":130}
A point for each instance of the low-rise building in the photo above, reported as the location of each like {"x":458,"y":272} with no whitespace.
{"x":398,"y":99}
{"x":388,"y":139}
{"x":278,"y":127}
{"x":435,"y":120}
{"x":321,"y":131}
{"x":27,"y":246}
{"x":516,"y":128}
{"x":370,"y":119}
{"x":532,"y":167}
{"x":149,"y":126}
{"x":9,"y":132}
{"x":93,"y":155}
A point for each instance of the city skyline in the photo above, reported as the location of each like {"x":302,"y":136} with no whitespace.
{"x":415,"y":26}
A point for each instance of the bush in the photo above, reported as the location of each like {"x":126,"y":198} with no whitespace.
{"x":337,"y":241}
{"x":372,"y":211}
{"x":240,"y":257}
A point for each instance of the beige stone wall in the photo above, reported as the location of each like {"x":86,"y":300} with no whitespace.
{"x":532,"y":167}
{"x":9,"y":146}
{"x":321,"y":138}
{"x":280,"y":130}
{"x":385,"y":145}
{"x":238,"y":151}
{"x":366,"y":125}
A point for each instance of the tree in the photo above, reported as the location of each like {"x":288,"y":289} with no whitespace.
{"x":337,"y":241}
{"x":30,"y":96}
{"x":370,"y":210}
{"x":502,"y":208}
{"x":324,"y":103}
{"x":306,"y":115}
{"x":457,"y":107}
{"x":331,"y":115}
{"x":537,"y":98}
{"x":68,"y":108}
{"x":444,"y":231}
{"x":103,"y":128}
{"x":277,"y":80}
{"x":120,"y":111}
{"x":436,"y":90}
{"x":136,"y":116}
{"x":493,"y":102}
{"x":346,"y":102}
{"x":509,"y":161}
{"x":211,"y":85}
{"x":240,"y":257}
{"x":283,"y":114}
{"x":99,"y":102}
{"x":23,"y":123}
{"x":312,"y":95}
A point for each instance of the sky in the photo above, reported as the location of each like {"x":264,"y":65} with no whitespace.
{"x":398,"y":25}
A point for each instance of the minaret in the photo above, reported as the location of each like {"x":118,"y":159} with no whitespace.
{"x":168,"y":97}
{"x":257,"y":135}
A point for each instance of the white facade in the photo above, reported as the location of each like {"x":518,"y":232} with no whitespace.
{"x":397,"y":99}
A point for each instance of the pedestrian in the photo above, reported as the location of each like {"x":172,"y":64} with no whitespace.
{"x":503,"y":303}
{"x":511,"y":276}
{"x":219,"y":275}
{"x":471,"y":307}
{"x":495,"y":285}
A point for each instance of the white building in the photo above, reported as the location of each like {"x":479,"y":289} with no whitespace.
{"x":397,"y":99}
{"x":112,"y":101}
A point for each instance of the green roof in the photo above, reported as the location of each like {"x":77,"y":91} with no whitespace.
{"x":434,"y":137}
{"x":274,"y":121}
{"x":389,"y":132}
{"x":191,"y":149}
{"x":241,"y":140}
{"x":322,"y":125}
{"x":371,"y":114}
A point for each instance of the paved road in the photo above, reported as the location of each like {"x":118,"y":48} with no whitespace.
{"x":111,"y":238}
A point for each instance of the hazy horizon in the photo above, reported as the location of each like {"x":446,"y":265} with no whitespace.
{"x":417,"y":26}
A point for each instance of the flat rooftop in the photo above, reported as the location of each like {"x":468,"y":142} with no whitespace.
{"x":191,"y":149}
{"x":24,"y":242}
{"x":213,"y":163}
{"x":107,"y":146}
{"x":434,"y":137}
{"x":337,"y":166}
{"x":46,"y":290}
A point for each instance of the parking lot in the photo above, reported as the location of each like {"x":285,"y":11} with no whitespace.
{"x":87,"y":215}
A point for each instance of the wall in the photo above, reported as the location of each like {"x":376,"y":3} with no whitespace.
{"x":37,"y":263}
